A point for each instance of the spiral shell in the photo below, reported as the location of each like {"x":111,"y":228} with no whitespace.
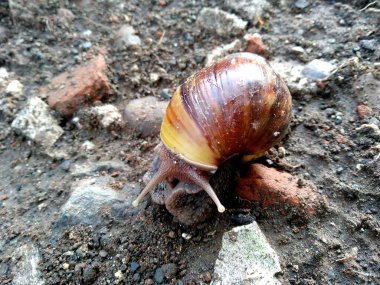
{"x":236,"y":106}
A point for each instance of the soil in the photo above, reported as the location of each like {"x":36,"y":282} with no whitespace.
{"x":343,"y":163}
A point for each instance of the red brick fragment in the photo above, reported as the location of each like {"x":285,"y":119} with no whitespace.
{"x":363,"y":111}
{"x":274,"y":189}
{"x":255,"y":44}
{"x":82,"y":85}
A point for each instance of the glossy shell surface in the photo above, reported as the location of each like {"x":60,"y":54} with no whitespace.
{"x":238,"y":105}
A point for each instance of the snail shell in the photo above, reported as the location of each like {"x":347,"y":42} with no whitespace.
{"x":239,"y":105}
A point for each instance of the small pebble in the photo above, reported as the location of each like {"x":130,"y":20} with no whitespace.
{"x":66,"y":266}
{"x":86,"y":45}
{"x":368,"y":44}
{"x":318,"y":69}
{"x":339,"y":170}
{"x":134,"y":266}
{"x":186,"y":236}
{"x":148,"y":282}
{"x":169,"y":270}
{"x":119,"y":274}
{"x":158,"y":275}
{"x":136,"y":277}
{"x":165,"y":94}
{"x":65,"y":165}
{"x":103,"y":253}
{"x":301,"y":4}
{"x":89,"y":275}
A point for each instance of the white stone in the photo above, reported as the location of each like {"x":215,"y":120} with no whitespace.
{"x":222,"y":51}
{"x":246,"y":257}
{"x":249,"y":9}
{"x":27,"y":267}
{"x":291,"y":72}
{"x":15,"y":88}
{"x":108,"y":116}
{"x":36,"y":123}
{"x":3,"y":77}
{"x":126,"y":36}
{"x":318,"y":69}
{"x":220,"y":22}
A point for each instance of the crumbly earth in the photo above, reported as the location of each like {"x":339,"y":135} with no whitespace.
{"x":324,"y":142}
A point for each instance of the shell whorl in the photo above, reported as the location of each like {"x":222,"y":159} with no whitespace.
{"x":238,"y":105}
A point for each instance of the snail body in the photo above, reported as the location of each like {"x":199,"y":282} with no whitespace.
{"x":239,"y":105}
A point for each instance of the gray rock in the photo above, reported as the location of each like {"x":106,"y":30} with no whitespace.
{"x":222,"y":23}
{"x":27,"y":260}
{"x":291,"y":73}
{"x":169,"y":270}
{"x":368,"y":44}
{"x":367,"y":89}
{"x":5,"y":130}
{"x":301,"y":4}
{"x":36,"y":123}
{"x":249,"y":9}
{"x":126,"y":37}
{"x":159,"y":275}
{"x":65,"y":16}
{"x":93,"y":202}
{"x":222,"y":51}
{"x":145,"y":115}
{"x":4,"y":32}
{"x":104,"y":116}
{"x":246,"y":257}
{"x":89,"y":168}
{"x":318,"y":69}
{"x":15,"y":89}
{"x":3,"y":77}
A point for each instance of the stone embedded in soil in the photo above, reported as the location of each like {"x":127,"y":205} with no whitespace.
{"x":126,"y":37}
{"x":145,"y":115}
{"x":36,"y":123}
{"x":369,"y":44}
{"x":367,"y":89}
{"x":246,"y":257}
{"x":104,"y":116}
{"x":27,"y":258}
{"x":92,"y":202}
{"x":82,"y":85}
{"x":363,"y":111}
{"x":318,"y":69}
{"x":159,"y":275}
{"x":3,"y":77}
{"x":222,"y":23}
{"x":15,"y":89}
{"x":90,"y":168}
{"x":291,"y":72}
{"x":275,"y":189}
{"x":221,"y":51}
{"x":169,"y":270}
{"x":249,"y":9}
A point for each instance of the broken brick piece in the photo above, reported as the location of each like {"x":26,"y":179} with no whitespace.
{"x":363,"y":111}
{"x":255,"y":44}
{"x":275,"y":189}
{"x":82,"y":85}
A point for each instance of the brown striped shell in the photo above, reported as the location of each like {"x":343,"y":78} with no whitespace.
{"x":237,"y":106}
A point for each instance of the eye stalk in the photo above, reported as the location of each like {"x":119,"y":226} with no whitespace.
{"x":172,"y":166}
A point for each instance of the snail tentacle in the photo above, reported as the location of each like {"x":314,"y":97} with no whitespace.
{"x":172,"y":166}
{"x":157,"y":178}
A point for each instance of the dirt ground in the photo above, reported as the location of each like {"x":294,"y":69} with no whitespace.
{"x":338,"y":246}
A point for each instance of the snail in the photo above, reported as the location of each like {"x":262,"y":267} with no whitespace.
{"x":237,"y":106}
